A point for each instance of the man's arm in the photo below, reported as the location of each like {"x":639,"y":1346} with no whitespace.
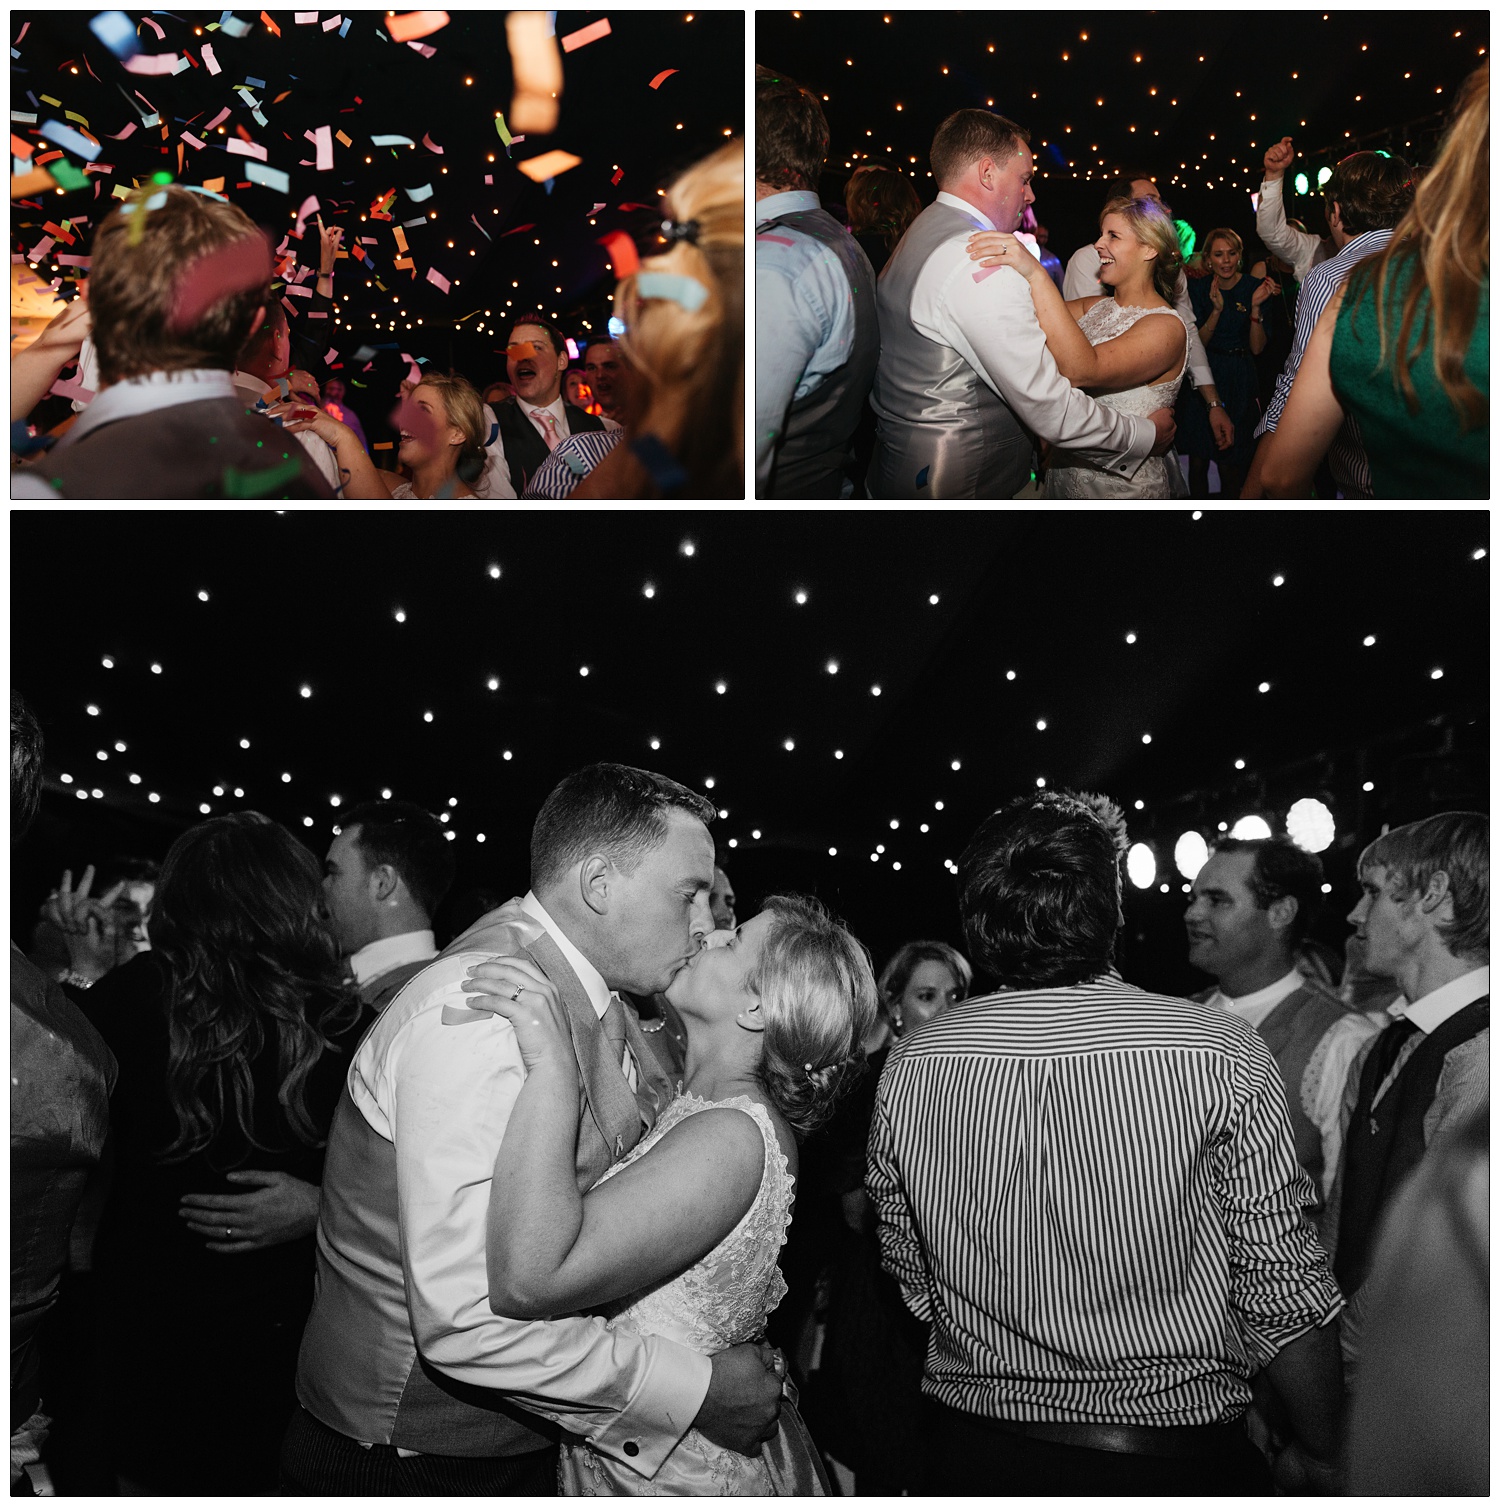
{"x":1297,"y":248}
{"x":1463,"y":1088}
{"x":1311,"y":420}
{"x":993,"y":325}
{"x":1323,"y":1087}
{"x":449,"y":1092}
{"x":787,"y":332}
{"x":900,"y":1248}
{"x":1081,"y":277}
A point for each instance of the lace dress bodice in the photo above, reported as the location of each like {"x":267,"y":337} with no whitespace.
{"x":1071,"y":476}
{"x":720,"y":1300}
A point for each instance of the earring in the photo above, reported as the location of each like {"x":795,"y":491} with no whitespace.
{"x":899,"y":1021}
{"x":750,"y":1020}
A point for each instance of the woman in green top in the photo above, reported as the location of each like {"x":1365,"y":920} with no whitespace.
{"x":1405,"y":345}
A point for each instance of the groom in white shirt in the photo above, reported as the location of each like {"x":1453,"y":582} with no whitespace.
{"x":410,"y":1385}
{"x":965,"y":384}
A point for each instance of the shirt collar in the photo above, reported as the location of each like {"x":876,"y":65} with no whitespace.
{"x":150,"y":394}
{"x":1272,"y":994}
{"x":555,"y":408}
{"x":592,"y":980}
{"x":792,"y":202}
{"x":954,"y":202}
{"x":386,"y":953}
{"x":1429,"y":1012}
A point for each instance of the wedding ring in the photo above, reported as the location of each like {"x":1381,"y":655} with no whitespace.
{"x":520,"y":989}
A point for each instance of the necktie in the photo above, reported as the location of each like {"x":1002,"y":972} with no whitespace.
{"x":613,"y":1022}
{"x":1387,"y":1050}
{"x":551,"y":435}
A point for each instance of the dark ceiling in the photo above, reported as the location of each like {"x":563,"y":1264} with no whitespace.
{"x":632,"y":140}
{"x":311,"y":599}
{"x":1195,"y":97}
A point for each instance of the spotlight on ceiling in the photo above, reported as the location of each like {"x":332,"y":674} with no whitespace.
{"x":1190,"y":854}
{"x":1140,"y":864}
{"x":1251,"y":826}
{"x":1310,"y":825}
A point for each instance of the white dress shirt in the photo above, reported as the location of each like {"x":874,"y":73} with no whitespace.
{"x":1427,"y":1014}
{"x":252,"y":388}
{"x":386,"y":953}
{"x":442,"y":1095}
{"x":1081,"y":280}
{"x":1299,"y":249}
{"x":992,"y":324}
{"x":495,"y":483}
{"x":1321,"y":1091}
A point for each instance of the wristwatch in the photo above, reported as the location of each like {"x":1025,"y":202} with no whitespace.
{"x":1216,"y":404}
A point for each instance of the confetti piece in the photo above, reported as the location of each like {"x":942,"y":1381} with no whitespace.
{"x":392,"y":141}
{"x":437,"y":279}
{"x":113,"y":28}
{"x":481,"y":228}
{"x":229,"y":269}
{"x":419,"y":195}
{"x":24,"y":30}
{"x":323,"y":140}
{"x":255,"y":83}
{"x":401,"y":240}
{"x":22,"y":118}
{"x":271,"y":26}
{"x":261,"y":483}
{"x":777,"y":240}
{"x":334,"y":22}
{"x":155,"y":26}
{"x":305,"y":17}
{"x":41,"y":248}
{"x":38,"y":181}
{"x":339,"y":136}
{"x":519,"y":228}
{"x":214,"y":185}
{"x":922,"y":476}
{"x":69,"y":260}
{"x":622,"y":253}
{"x":548,"y":165}
{"x":155,"y":63}
{"x":19,"y":148}
{"x":344,"y":29}
{"x":536,"y":71}
{"x":232,"y":26}
{"x":270,"y":177}
{"x":686,"y":291}
{"x":238,"y":148}
{"x":423,"y":48}
{"x":489,"y":178}
{"x":74,"y":141}
{"x":74,"y":389}
{"x":416,"y":23}
{"x":522,"y":350}
{"x":577,"y":39}
{"x":980,"y":275}
{"x":218,"y":119}
{"x":427,"y":142}
{"x":193,"y":141}
{"x":500,"y":126}
{"x":617,"y":176}
{"x":662,"y":77}
{"x":310,"y":206}
{"x":595,"y":210}
{"x":67,"y":176}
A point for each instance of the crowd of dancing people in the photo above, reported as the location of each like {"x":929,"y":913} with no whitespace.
{"x":205,"y":392}
{"x":896,"y":358}
{"x":331,"y":1180}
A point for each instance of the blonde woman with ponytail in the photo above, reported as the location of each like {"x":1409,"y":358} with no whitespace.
{"x":684,"y":315}
{"x":1108,"y":346}
{"x":681,"y":1237}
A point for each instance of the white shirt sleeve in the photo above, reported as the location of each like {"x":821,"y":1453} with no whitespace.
{"x":1081,"y":279}
{"x":992,"y":324}
{"x":324,"y":458}
{"x":1295,"y":247}
{"x":443,"y":1095}
{"x":493,"y":483}
{"x":1197,"y":359}
{"x":1323,"y":1086}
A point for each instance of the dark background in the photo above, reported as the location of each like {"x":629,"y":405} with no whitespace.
{"x":310,"y":598}
{"x":1227,"y":84}
{"x":610,"y":117}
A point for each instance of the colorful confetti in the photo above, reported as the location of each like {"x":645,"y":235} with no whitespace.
{"x":416,"y":23}
{"x":582,"y":38}
{"x":662,"y":77}
{"x":548,"y":165}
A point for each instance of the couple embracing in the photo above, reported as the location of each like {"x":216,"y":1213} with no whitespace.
{"x":980,"y":357}
{"x":525,"y":1239}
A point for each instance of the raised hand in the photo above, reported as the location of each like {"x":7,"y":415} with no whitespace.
{"x":1278,"y":158}
{"x":517,"y":989}
{"x":1216,"y":295}
{"x":1263,"y":290}
{"x":88,"y":926}
{"x":297,"y":416}
{"x":63,"y":338}
{"x":330,"y":238}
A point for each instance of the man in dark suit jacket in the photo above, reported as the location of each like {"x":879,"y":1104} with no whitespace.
{"x":179,"y":283}
{"x":537,"y":419}
{"x":409,"y":1382}
{"x":1424,"y":918}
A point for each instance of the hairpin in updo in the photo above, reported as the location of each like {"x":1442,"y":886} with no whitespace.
{"x":680,"y":230}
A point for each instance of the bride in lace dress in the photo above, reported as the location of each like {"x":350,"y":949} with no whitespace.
{"x":681,"y":1237}
{"x":1112,"y":347}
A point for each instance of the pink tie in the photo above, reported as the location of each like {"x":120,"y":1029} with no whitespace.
{"x":551,"y":435}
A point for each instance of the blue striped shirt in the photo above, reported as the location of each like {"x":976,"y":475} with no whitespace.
{"x":1092,"y":1195}
{"x":1346,"y":457}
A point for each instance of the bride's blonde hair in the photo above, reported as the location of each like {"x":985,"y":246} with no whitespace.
{"x":1152,"y":226}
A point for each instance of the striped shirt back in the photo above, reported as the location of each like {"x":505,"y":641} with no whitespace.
{"x":1093,"y":1196}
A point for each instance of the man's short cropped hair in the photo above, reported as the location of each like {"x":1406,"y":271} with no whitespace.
{"x":26,"y":754}
{"x":260,"y":343}
{"x":1039,"y":890}
{"x":555,"y":336}
{"x":1281,"y":868}
{"x":1373,"y":191}
{"x":791,"y":133}
{"x":968,"y":135}
{"x":176,"y":286}
{"x":412,"y":841}
{"x":1457,"y":843}
{"x":612,"y":809}
{"x":1122,"y":185}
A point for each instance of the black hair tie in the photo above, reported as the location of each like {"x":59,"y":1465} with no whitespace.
{"x":680,"y":230}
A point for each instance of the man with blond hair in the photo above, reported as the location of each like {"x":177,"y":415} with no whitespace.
{"x":179,"y":283}
{"x":1424,"y":917}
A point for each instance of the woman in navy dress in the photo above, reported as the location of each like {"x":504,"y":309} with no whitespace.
{"x":1227,"y":306}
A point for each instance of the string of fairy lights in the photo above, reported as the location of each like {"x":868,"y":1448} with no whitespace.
{"x":1233,"y":139}
{"x":897,"y":838}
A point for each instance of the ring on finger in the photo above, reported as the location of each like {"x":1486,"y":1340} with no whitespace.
{"x":520,"y":990}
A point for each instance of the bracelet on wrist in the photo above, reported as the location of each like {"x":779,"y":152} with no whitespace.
{"x":78,"y":980}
